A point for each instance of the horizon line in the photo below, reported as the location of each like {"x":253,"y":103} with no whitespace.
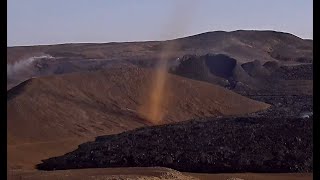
{"x":141,"y":41}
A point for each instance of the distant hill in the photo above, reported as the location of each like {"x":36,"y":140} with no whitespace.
{"x":244,"y":45}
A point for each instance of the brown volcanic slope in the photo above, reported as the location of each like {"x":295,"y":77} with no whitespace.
{"x":242,"y":45}
{"x":82,"y":104}
{"x":49,"y":116}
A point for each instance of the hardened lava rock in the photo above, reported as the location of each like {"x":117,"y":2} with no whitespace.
{"x":242,"y":144}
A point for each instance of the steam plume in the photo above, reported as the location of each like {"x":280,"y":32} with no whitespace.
{"x":22,"y":65}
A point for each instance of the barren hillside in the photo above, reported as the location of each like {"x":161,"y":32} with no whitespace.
{"x":82,"y":104}
{"x":53,"y":114}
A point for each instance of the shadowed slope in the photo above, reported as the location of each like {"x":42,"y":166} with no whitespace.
{"x":247,"y":78}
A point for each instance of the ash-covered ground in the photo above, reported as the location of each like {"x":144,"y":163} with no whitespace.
{"x":241,"y":144}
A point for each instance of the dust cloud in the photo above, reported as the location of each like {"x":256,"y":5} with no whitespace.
{"x":153,"y":108}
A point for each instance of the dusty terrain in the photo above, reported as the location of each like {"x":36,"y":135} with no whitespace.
{"x":80,"y":91}
{"x":44,"y":112}
{"x":151,"y":173}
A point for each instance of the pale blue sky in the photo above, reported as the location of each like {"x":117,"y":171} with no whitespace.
{"x":33,"y":22}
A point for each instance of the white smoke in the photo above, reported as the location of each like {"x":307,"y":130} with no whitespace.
{"x":22,"y":65}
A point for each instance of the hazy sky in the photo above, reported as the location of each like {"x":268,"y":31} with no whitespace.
{"x":32,"y":22}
